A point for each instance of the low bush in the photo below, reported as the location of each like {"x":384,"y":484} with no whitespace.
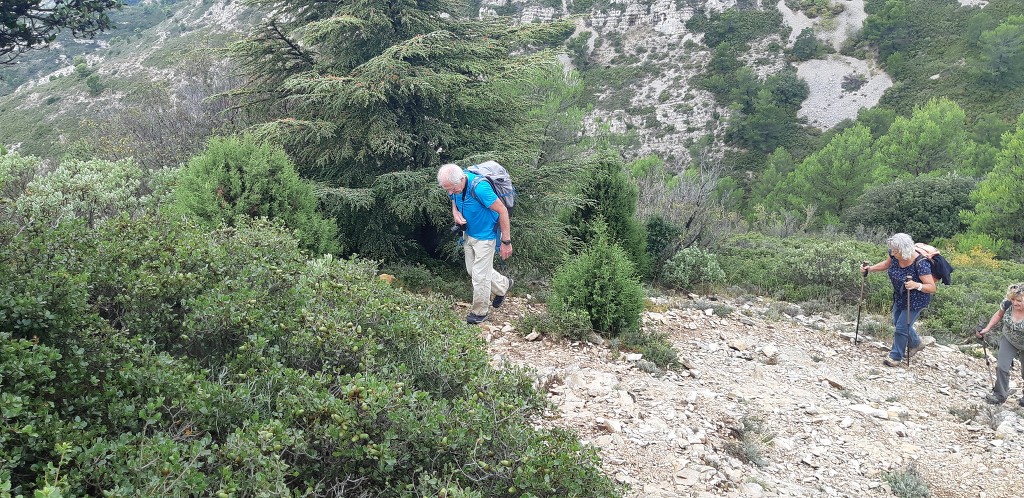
{"x":91,"y":191}
{"x":797,"y":268}
{"x":655,"y":347}
{"x":693,"y":268}
{"x":751,"y":441}
{"x":422,"y":279}
{"x":907,"y":483}
{"x":238,"y":177}
{"x":978,"y":249}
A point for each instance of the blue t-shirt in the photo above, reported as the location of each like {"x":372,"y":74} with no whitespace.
{"x":480,"y":219}
{"x":918,"y":299}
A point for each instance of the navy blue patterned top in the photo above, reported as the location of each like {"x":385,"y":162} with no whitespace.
{"x":918,"y":299}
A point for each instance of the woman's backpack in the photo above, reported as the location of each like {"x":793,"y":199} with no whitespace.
{"x":941,"y":269}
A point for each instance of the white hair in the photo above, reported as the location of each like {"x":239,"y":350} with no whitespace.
{"x":902,"y":245}
{"x":450,"y":173}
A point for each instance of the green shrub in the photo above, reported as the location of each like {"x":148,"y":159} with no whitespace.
{"x":907,"y":483}
{"x":797,"y":268}
{"x":968,"y":241}
{"x":655,"y":347}
{"x":736,"y":25}
{"x":806,"y":46}
{"x":601,"y":282}
{"x":611,"y":196}
{"x":421,"y":279}
{"x":662,"y":239}
{"x":16,"y":171}
{"x":91,"y":191}
{"x":693,"y":268}
{"x":816,"y":8}
{"x":752,"y":438}
{"x":238,"y":177}
{"x":925,"y":207}
{"x":46,"y":289}
{"x":93,"y":83}
{"x":157,"y":358}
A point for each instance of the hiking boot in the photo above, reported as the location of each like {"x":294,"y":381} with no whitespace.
{"x":473,"y":318}
{"x":499,"y":300}
{"x":992,"y":399}
{"x":925,"y":342}
{"x":889,"y":362}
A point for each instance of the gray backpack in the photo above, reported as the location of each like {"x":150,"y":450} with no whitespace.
{"x":497,"y":176}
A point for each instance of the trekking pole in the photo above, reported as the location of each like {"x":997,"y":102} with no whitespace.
{"x":984,"y":348}
{"x":906,"y":353}
{"x":860,"y":303}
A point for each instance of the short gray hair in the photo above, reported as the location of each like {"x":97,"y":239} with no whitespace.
{"x":902,"y":245}
{"x":450,"y":173}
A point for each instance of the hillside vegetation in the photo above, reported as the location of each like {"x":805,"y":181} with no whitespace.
{"x":141,"y":355}
{"x":190,"y":240}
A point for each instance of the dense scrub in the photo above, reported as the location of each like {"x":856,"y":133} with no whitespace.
{"x":148,"y":356}
{"x":826,"y":271}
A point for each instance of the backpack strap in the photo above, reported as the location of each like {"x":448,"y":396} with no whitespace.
{"x":472,"y":191}
{"x":917,"y":268}
{"x":472,"y":188}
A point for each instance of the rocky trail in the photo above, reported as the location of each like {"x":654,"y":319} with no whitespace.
{"x":773,"y":404}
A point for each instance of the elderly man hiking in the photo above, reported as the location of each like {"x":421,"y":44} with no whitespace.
{"x":477,"y":208}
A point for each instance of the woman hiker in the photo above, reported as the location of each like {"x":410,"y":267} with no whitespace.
{"x":1011,"y":341}
{"x":904,"y":262}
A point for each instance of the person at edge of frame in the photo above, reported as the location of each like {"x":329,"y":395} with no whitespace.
{"x":1011,"y":341}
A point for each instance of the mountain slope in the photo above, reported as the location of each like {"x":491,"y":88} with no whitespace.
{"x":822,"y":415}
{"x":158,"y":50}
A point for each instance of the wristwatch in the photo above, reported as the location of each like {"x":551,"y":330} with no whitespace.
{"x":509,"y":242}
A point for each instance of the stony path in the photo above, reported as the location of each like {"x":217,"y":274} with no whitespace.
{"x":823,"y":416}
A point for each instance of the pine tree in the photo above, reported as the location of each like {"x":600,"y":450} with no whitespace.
{"x":832,"y":178}
{"x":999,"y":211}
{"x":934,"y":139}
{"x":371,"y":97}
{"x":29,"y":24}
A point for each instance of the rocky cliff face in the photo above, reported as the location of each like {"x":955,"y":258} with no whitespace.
{"x":649,"y":56}
{"x":660,"y":105}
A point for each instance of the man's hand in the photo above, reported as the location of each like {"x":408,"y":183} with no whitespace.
{"x":506,"y":250}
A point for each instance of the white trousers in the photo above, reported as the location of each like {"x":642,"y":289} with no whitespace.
{"x":487,"y":282}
